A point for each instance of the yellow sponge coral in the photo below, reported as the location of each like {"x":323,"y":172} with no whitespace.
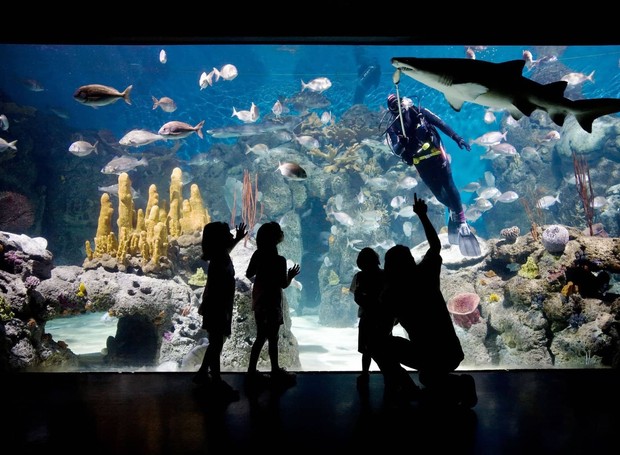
{"x":147,"y":233}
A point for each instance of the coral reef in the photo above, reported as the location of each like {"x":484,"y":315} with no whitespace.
{"x":464,"y":309}
{"x":529,"y":269}
{"x":145,"y":237}
{"x":16,"y":212}
{"x":511,"y":234}
{"x":555,"y":238}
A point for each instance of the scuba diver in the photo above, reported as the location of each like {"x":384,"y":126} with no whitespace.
{"x":412,"y":135}
{"x":368,"y":75}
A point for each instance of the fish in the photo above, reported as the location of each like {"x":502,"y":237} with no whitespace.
{"x":166,"y":104}
{"x":251,"y":129}
{"x":308,"y":142}
{"x":547,"y":201}
{"x":343,"y":218}
{"x":507,"y":197}
{"x":577,"y":78}
{"x":138,"y":138}
{"x":489,"y":138}
{"x":33,"y":85}
{"x":292,"y":171}
{"x":163,"y":58}
{"x":206,"y":80}
{"x":4,"y":145}
{"x":113,"y":189}
{"x":97,"y":95}
{"x":83,"y":148}
{"x":249,"y":116}
{"x":180,"y":130}
{"x":228,"y":72}
{"x":502,"y":86}
{"x":319,"y":85}
{"x":259,"y":149}
{"x":471,"y":187}
{"x":120,"y":164}
{"x":277,"y":108}
{"x":4,"y":122}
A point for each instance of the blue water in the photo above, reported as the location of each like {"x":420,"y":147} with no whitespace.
{"x":266,"y":73}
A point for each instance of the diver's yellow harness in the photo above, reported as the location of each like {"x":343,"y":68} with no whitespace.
{"x":434,"y":152}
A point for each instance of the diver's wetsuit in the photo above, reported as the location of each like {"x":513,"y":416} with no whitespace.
{"x":423,"y":148}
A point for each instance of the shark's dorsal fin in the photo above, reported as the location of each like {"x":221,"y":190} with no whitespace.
{"x":557,"y":88}
{"x":513,"y":66}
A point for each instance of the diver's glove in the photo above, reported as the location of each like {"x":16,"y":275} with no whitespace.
{"x":464,"y":229}
{"x":462,"y":144}
{"x":402,"y":140}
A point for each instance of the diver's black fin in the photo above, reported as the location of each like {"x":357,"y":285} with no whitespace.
{"x":468,"y":245}
{"x":453,"y":231}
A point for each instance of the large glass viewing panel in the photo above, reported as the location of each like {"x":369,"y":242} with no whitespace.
{"x":103,"y":200}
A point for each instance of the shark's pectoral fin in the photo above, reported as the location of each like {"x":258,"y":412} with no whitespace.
{"x":459,"y":93}
{"x":525,"y":106}
{"x":456,"y":103}
{"x":559,"y":117}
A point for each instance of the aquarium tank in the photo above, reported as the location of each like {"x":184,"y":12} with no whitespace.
{"x":113,"y":157}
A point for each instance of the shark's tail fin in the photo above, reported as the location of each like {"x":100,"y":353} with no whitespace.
{"x":586,"y":111}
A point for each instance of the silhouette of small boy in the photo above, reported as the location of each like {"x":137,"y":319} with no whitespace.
{"x":366,"y":287}
{"x":217,"y":302}
{"x":267,"y":269}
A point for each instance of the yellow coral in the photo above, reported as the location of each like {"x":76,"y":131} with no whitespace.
{"x":529,"y":269}
{"x":494,"y":298}
{"x":569,"y":289}
{"x":146,"y":232}
{"x":81,"y":292}
{"x":333,"y":278}
{"x":176,"y":186}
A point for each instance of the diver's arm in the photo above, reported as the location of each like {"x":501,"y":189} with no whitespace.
{"x":435,"y":120}
{"x":421,"y":209}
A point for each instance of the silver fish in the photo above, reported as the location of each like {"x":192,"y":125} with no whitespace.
{"x":547,"y":201}
{"x":4,"y":145}
{"x":137,"y":138}
{"x":228,"y":72}
{"x":122,"y":164}
{"x":180,"y":130}
{"x":96,"y":95}
{"x":113,"y":189}
{"x":4,"y":122}
{"x":319,"y":85}
{"x":83,"y":148}
{"x":166,"y":104}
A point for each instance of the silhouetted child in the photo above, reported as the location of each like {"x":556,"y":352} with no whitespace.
{"x":366,"y":287}
{"x":268,"y":272}
{"x":217,"y":301}
{"x":413,"y":291}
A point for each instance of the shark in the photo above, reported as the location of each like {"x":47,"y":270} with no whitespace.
{"x":252,"y":129}
{"x":501,"y":86}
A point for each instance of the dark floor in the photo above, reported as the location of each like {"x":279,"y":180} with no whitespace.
{"x":519,"y":412}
